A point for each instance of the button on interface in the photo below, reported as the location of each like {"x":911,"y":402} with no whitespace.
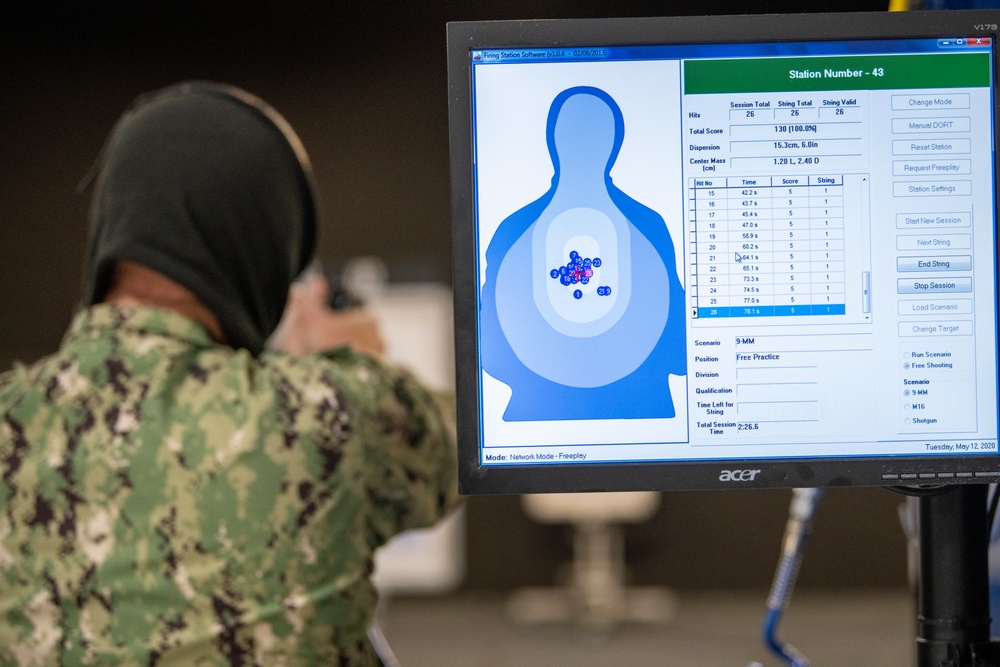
{"x":931,"y":263}
{"x":933,"y":285}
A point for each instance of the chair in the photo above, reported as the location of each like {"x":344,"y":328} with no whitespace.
{"x":596,"y":594}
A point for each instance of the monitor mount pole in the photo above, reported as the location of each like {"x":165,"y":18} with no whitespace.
{"x":953,"y":623}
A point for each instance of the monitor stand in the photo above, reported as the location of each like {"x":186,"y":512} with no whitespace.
{"x":953,"y":622}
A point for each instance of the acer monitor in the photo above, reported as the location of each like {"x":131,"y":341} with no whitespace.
{"x":725,"y":252}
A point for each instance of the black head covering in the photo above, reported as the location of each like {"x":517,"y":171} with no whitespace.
{"x":209,"y":186}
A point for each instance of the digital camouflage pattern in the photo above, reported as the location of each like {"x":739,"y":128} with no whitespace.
{"x":165,"y":500}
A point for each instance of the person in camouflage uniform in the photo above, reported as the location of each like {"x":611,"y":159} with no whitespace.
{"x":171,"y":493}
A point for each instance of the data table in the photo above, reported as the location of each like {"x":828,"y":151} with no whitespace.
{"x":767,"y":246}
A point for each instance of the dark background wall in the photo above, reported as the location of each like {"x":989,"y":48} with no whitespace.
{"x":364,"y":84}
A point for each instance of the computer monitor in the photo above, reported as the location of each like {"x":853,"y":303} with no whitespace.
{"x":725,"y":251}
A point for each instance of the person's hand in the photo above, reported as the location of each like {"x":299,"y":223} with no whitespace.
{"x":309,"y":325}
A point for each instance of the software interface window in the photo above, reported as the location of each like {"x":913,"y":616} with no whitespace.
{"x":726,"y":251}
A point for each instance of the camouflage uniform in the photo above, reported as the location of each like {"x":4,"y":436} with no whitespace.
{"x":167,"y":500}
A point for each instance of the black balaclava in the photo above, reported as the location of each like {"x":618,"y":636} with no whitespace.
{"x":209,"y":186}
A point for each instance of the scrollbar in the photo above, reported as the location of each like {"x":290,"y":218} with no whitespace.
{"x":866,"y":291}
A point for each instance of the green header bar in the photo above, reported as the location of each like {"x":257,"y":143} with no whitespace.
{"x":777,"y":75}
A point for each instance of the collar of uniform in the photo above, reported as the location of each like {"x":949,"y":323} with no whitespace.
{"x":105,"y":318}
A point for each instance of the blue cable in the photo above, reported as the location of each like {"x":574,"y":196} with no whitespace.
{"x":791,"y":655}
{"x":797,"y":529}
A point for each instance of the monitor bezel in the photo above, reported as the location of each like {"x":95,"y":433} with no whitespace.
{"x":475,"y":478}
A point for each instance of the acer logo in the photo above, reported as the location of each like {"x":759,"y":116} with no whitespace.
{"x":738,"y":475}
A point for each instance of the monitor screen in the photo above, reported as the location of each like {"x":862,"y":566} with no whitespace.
{"x":725,"y":252}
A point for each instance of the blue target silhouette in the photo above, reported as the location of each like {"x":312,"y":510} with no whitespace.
{"x":582,"y":312}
